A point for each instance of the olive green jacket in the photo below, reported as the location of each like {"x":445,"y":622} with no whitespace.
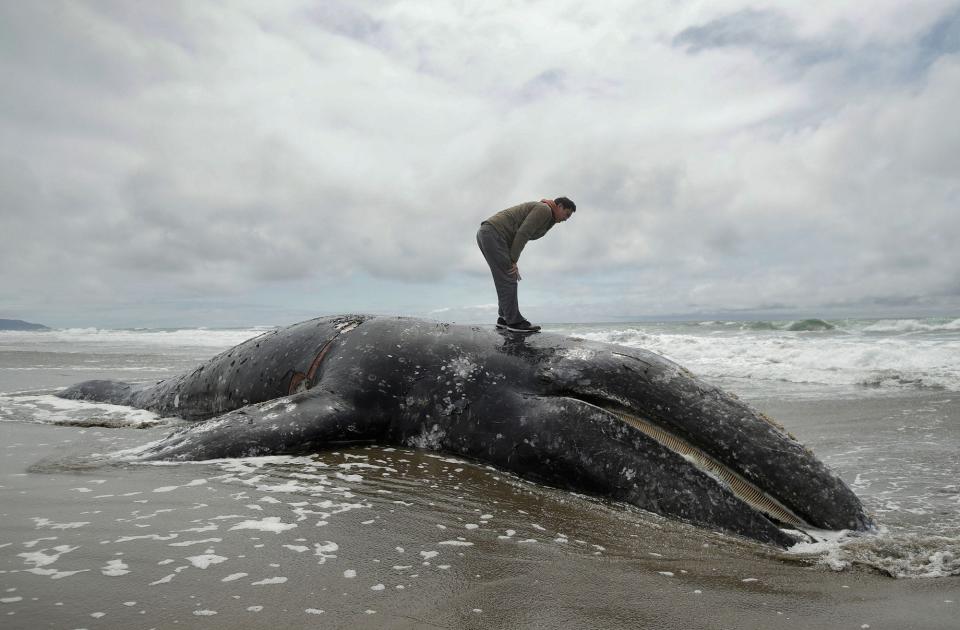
{"x":519,"y":224}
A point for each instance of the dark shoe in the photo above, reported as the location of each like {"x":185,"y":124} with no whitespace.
{"x":523,"y":327}
{"x":501,"y":322}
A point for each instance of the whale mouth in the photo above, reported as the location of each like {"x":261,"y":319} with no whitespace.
{"x":748,"y":492}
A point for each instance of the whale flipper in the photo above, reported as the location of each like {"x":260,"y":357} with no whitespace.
{"x":303,"y":423}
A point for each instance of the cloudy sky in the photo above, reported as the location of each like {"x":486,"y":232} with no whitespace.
{"x":245,"y":162}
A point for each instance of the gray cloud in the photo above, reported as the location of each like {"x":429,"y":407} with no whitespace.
{"x":942,"y":38}
{"x":768,"y":31}
{"x":347,"y":19}
{"x":773,"y":36}
{"x":246,"y":162}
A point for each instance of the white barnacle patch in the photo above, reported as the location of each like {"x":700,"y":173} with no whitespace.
{"x":428,"y":439}
{"x":579,"y":353}
{"x":210,"y":425}
{"x":669,"y":373}
{"x":267,"y":406}
{"x":462,"y":367}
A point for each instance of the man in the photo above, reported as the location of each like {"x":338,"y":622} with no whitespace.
{"x":501,"y":239}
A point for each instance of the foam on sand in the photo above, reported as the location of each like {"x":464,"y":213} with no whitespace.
{"x":268,"y":524}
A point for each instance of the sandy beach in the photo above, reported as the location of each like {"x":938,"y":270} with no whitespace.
{"x":377,"y":537}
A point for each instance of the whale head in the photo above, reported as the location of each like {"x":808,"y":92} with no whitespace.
{"x":714,"y":432}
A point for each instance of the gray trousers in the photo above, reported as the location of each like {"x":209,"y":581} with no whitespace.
{"x":497,"y":255}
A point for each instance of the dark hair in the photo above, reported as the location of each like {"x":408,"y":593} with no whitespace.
{"x":566,"y":203}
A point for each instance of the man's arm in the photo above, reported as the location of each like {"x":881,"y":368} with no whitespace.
{"x":536,"y":219}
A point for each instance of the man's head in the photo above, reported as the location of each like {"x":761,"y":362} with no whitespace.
{"x":565,"y":208}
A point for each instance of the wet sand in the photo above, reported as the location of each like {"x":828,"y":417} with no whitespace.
{"x":374,"y":538}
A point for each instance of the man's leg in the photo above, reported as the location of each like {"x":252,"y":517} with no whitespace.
{"x":497,"y":255}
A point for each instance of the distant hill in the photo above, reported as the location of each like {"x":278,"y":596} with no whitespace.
{"x":19,"y":324}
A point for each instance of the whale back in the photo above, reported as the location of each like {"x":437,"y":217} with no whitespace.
{"x":275,"y":364}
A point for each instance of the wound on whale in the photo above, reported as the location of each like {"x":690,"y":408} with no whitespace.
{"x":595,"y":418}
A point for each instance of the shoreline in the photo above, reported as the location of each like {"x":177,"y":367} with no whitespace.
{"x":650,"y":571}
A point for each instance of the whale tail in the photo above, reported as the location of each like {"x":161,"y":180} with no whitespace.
{"x":114,"y":392}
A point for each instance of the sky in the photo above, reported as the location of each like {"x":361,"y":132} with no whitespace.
{"x":259,"y":163}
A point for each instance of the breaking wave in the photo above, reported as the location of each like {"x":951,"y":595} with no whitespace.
{"x":857,"y":355}
{"x":100,"y":338}
{"x":899,"y":556}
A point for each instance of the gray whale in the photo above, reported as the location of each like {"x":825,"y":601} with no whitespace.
{"x":595,"y":418}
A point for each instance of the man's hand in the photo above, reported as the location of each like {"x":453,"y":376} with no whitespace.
{"x":514,"y":271}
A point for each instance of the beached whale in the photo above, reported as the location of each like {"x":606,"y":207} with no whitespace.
{"x":596,"y":418}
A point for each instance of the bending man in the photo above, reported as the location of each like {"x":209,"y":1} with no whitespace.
{"x":502,"y":238}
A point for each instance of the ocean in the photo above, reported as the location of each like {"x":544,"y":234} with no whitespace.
{"x":379,"y":536}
